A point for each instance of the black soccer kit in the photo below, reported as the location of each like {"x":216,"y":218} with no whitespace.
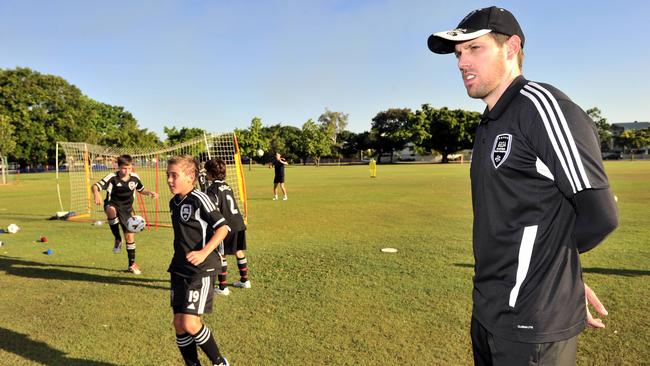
{"x":120,"y":194}
{"x":279,"y":171}
{"x":195,"y":219}
{"x":533,"y":152}
{"x":222,"y":195}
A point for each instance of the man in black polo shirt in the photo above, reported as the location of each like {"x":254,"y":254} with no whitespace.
{"x":540,"y":197}
{"x":279,"y":164}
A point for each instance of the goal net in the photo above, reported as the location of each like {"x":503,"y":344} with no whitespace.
{"x":84,"y":164}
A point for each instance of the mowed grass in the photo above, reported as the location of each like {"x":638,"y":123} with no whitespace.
{"x":323,"y":293}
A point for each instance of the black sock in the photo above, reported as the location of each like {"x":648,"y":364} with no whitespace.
{"x":223,"y":274}
{"x":187,"y":346}
{"x":130,"y":252}
{"x":242,"y":264}
{"x":205,"y":340}
{"x":114,"y":224}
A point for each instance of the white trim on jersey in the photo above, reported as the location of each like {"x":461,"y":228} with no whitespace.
{"x":204,"y":225}
{"x":205,"y":288}
{"x":543,"y":169}
{"x":549,"y":131}
{"x":218,"y":222}
{"x":205,"y":200}
{"x":567,"y":130}
{"x":523,"y":263}
{"x":569,"y":152}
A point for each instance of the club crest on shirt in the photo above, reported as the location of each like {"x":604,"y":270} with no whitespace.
{"x":132,"y":185}
{"x":501,"y":149}
{"x":186,"y":212}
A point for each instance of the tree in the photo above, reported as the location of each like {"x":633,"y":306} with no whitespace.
{"x":175,"y":137}
{"x":333,"y":123}
{"x":252,"y":140}
{"x":602,"y":127}
{"x":634,"y":139}
{"x":285,"y":140}
{"x":447,"y":131}
{"x":315,"y":142}
{"x":391,"y":130}
{"x":7,"y":145}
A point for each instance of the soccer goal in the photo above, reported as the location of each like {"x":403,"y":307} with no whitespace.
{"x":84,"y":164}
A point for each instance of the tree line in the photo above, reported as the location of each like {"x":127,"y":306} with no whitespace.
{"x":37,"y":110}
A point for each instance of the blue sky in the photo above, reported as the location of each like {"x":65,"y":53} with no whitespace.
{"x":217,"y":64}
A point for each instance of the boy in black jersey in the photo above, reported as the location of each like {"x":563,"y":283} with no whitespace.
{"x":199,"y":230}
{"x":235,"y":243}
{"x":120,"y":189}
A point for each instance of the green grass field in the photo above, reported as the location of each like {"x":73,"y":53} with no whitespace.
{"x":323,"y":293}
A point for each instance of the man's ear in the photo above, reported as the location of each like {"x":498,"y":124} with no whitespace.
{"x":514,"y":45}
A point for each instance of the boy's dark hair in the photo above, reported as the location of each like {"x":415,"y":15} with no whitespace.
{"x":124,"y":160}
{"x":216,"y":168}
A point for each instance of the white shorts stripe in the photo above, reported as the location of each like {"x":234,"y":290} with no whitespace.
{"x":549,"y":131}
{"x":525,"y":254}
{"x":205,"y":288}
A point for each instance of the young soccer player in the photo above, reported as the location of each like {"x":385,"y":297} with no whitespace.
{"x":120,"y":189}
{"x":199,"y":229}
{"x":235,"y":243}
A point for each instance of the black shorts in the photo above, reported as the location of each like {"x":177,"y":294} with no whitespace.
{"x":192,"y":295}
{"x":234,"y":241}
{"x":490,"y":349}
{"x":278,"y":179}
{"x":123,"y":213}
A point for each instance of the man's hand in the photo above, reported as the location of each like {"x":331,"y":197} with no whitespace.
{"x":196,"y":257}
{"x":591,"y":298}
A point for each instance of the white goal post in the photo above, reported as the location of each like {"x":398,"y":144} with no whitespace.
{"x":84,"y":164}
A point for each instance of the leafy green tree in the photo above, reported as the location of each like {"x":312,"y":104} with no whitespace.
{"x":391,"y":130}
{"x":251,"y":140}
{"x":447,"y":131}
{"x":634,"y":139}
{"x":7,"y":143}
{"x":285,"y":140}
{"x":315,"y":142}
{"x":176,"y":136}
{"x":333,"y":123}
{"x":603,"y":128}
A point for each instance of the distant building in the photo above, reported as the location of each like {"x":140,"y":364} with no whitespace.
{"x":619,"y":128}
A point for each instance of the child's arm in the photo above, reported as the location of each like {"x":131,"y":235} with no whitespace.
{"x":198,"y":256}
{"x":154,"y":195}
{"x":98,"y":197}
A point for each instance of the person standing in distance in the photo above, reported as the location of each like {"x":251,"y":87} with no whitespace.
{"x":120,"y":189}
{"x":235,"y":242}
{"x":199,"y":230}
{"x":540,"y":197}
{"x":278,"y":164}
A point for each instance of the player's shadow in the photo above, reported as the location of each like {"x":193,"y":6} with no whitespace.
{"x":49,"y":271}
{"x":20,"y":344}
{"x":606,"y":271}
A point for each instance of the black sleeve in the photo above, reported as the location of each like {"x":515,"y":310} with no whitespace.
{"x":596,"y":217}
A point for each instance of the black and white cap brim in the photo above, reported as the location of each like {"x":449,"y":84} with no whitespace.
{"x":443,"y":42}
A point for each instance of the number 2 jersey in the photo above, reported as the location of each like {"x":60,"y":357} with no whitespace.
{"x":222,"y":195}
{"x":195,"y":219}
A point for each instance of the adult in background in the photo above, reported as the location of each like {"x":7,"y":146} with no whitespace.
{"x":278,"y":164}
{"x":540,"y":197}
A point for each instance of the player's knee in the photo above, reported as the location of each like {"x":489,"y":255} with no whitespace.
{"x":240,"y":254}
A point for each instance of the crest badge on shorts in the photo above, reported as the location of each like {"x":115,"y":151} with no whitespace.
{"x":501,"y":149}
{"x":186,"y":212}
{"x":132,"y":185}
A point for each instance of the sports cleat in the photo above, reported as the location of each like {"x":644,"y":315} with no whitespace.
{"x":275,"y":198}
{"x":117,"y":247}
{"x":285,"y":198}
{"x":135,"y":269}
{"x":223,"y":363}
{"x":240,"y":284}
{"x":220,"y":292}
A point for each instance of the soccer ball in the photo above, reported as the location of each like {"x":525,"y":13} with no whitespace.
{"x":260,"y":153}
{"x":135,"y":224}
{"x":13,"y":228}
